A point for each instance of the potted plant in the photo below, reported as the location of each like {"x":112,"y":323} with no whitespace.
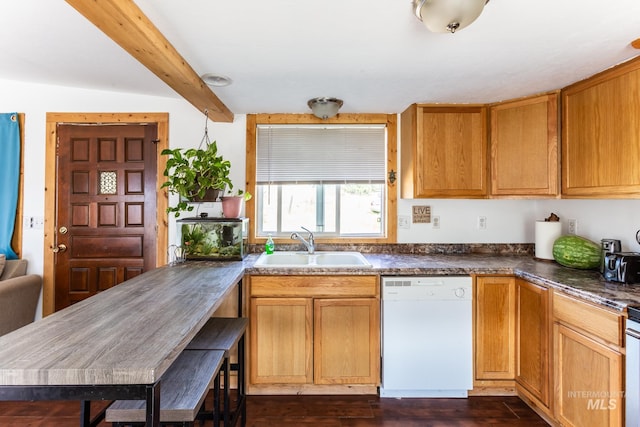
{"x":232,"y":203}
{"x":196,"y":175}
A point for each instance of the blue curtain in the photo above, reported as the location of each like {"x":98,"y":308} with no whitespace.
{"x":9,"y":179}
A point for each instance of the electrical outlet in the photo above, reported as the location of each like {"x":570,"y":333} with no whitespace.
{"x":435,"y":221}
{"x":482,"y":223}
{"x":33,"y":222}
{"x":573,"y":226}
{"x":37,"y":222}
{"x":403,"y":221}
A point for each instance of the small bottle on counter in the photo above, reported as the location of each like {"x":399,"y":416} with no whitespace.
{"x":269,"y":246}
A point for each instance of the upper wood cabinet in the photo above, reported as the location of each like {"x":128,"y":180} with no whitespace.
{"x":601,"y":134}
{"x":444,"y":151}
{"x":524,"y":147}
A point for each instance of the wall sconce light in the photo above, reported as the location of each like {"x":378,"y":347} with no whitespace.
{"x":441,"y":16}
{"x":324,"y":108}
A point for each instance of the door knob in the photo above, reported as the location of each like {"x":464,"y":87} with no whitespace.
{"x":60,"y":248}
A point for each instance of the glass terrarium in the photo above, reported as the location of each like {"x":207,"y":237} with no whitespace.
{"x":213,"y":238}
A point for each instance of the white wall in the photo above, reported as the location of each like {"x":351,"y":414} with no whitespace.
{"x":508,"y":221}
{"x":598,"y":219}
{"x":513,"y":221}
{"x":186,"y":128}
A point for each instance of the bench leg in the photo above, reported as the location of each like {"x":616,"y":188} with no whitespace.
{"x":227,"y":394}
{"x":216,"y":401}
{"x":241,"y":383}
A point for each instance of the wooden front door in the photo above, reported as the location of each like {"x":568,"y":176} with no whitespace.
{"x":106,"y":207}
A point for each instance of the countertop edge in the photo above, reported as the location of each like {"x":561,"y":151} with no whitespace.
{"x":587,"y":285}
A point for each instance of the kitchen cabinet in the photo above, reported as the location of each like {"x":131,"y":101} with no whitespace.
{"x":281,"y":328}
{"x":524,"y":147}
{"x":533,"y":344}
{"x":310,"y":332}
{"x":588,"y":363}
{"x":494,"y":330}
{"x":601,"y":134}
{"x":344,"y":332}
{"x":444,"y":151}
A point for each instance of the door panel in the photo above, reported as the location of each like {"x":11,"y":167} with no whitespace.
{"x":106,"y":207}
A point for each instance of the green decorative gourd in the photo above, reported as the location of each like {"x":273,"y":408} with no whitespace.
{"x":577,"y":252}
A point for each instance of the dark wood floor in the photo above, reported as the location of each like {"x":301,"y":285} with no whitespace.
{"x":329,"y":411}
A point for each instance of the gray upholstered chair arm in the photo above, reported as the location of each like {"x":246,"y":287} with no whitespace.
{"x":18,"y":301}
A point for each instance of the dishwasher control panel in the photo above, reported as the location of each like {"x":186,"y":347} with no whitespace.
{"x":434,"y":287}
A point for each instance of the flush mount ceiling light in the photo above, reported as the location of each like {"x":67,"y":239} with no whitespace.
{"x":441,"y":16}
{"x":324,"y":108}
{"x":217,"y":80}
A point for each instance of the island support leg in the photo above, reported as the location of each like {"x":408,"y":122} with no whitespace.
{"x":153,"y":405}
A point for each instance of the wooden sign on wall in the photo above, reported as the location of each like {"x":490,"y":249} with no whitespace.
{"x":421,"y":214}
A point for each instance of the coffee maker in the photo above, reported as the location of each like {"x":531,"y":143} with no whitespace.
{"x":608,"y":246}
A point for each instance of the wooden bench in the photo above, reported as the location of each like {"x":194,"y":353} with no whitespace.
{"x":225,"y":333}
{"x":183,"y":389}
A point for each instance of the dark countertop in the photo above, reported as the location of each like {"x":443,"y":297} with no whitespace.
{"x":585,"y":284}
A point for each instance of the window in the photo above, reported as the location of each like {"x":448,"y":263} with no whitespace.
{"x":328,"y":177}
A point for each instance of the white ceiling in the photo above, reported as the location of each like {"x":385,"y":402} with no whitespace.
{"x":374,"y":54}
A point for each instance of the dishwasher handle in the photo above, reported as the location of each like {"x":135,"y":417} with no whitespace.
{"x":633,"y":333}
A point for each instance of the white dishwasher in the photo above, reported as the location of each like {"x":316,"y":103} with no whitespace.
{"x":426,"y":336}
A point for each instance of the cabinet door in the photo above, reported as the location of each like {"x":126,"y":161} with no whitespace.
{"x":444,"y":151}
{"x":347,"y":341}
{"x":533,"y":335}
{"x":600,"y":137}
{"x":524,"y":147}
{"x":495,"y":327}
{"x":281,"y":340}
{"x":588,"y":380}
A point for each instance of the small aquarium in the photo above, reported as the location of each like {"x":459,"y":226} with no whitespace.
{"x":213,"y":238}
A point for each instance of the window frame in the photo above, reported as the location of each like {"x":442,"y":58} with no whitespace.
{"x":389,"y":120}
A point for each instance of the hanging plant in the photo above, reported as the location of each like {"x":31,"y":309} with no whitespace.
{"x":192,"y":173}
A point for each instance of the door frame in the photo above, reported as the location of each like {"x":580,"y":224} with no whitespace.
{"x":50,"y":190}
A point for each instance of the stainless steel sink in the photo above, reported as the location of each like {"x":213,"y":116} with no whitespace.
{"x":318,"y":259}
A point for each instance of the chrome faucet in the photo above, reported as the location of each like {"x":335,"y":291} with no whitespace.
{"x":307,"y":244}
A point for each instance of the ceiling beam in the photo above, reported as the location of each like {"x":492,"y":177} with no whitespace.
{"x":127,"y":25}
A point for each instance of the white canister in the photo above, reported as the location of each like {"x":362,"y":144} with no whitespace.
{"x":546,"y":233}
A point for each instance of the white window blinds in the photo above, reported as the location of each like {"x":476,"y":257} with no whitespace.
{"x":321,"y":154}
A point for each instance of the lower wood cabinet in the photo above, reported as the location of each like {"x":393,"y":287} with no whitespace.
{"x":314,"y":331}
{"x":494,"y":331}
{"x":588,"y":364}
{"x":281,"y":340}
{"x":533,"y":344}
{"x":345,"y":339}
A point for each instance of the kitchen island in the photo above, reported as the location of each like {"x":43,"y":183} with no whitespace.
{"x":117,"y":344}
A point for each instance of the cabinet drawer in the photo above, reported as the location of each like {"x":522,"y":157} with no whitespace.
{"x":590,"y":318}
{"x":314,"y":286}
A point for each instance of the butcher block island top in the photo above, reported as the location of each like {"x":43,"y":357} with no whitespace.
{"x":128,"y":334}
